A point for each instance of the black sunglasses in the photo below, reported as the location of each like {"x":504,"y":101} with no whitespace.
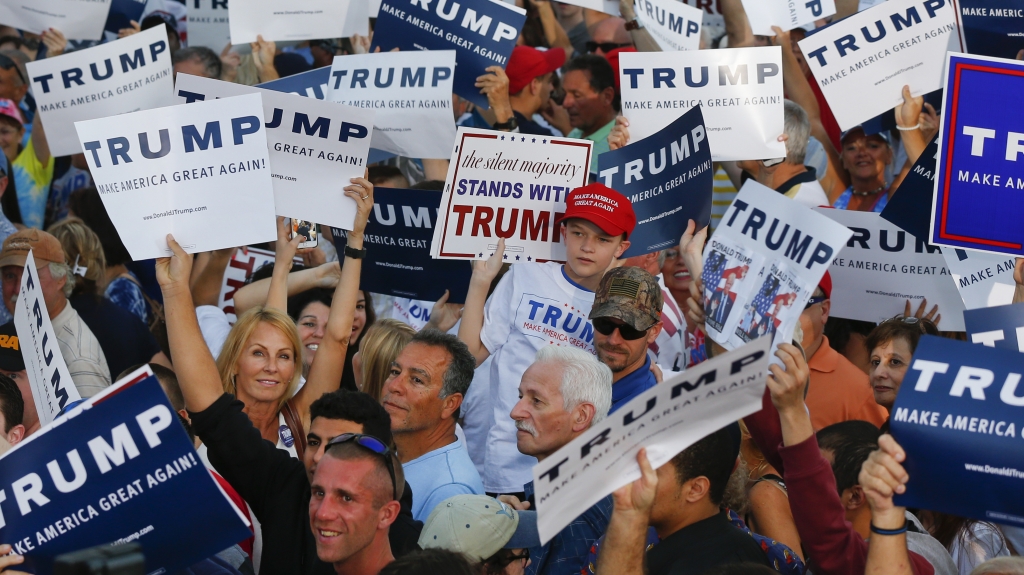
{"x":605,"y":46}
{"x":373,"y":444}
{"x":6,"y":62}
{"x":605,"y":326}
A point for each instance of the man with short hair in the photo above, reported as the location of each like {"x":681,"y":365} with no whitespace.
{"x":12,"y":409}
{"x":589,"y":84}
{"x":608,"y":35}
{"x":197,"y":61}
{"x":12,"y":364}
{"x":422,"y":395}
{"x":81,"y":351}
{"x":627,"y":319}
{"x":562,"y":394}
{"x":530,"y":73}
{"x":669,"y":347}
{"x":352,"y":507}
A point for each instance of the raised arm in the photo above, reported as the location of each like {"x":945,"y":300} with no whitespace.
{"x":908,"y":122}
{"x":642,"y":39}
{"x":39,"y":143}
{"x":284,"y":255}
{"x":472,"y":324}
{"x":254,"y":294}
{"x":553,"y":31}
{"x":622,"y":552}
{"x":329,"y":363}
{"x":881,"y":477}
{"x":206,"y":287}
{"x":737,"y":27}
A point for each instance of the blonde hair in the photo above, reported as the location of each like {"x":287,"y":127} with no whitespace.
{"x":234,"y":346}
{"x":378,"y":349}
{"x":80,"y":244}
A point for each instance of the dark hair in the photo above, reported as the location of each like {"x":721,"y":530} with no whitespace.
{"x":741,"y":569}
{"x":383,"y":489}
{"x":532,"y":31}
{"x":266,"y":270}
{"x":897,"y":328}
{"x":496,"y":564}
{"x":430,"y":562}
{"x":839,"y":329}
{"x":851,"y":442}
{"x":600,"y":73}
{"x":87,"y":205}
{"x":12,"y":405}
{"x":378,"y":173}
{"x":435,"y":185}
{"x":459,"y":374}
{"x":357,"y":407}
{"x":299,"y":301}
{"x":713,"y":457}
{"x":207,"y":57}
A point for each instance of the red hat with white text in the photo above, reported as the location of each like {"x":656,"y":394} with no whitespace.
{"x":601,"y":206}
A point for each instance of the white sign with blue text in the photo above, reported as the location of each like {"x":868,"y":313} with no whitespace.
{"x":786,"y":14}
{"x":316,"y":148}
{"x":276,"y":21}
{"x":862,"y":62}
{"x":208,"y":24}
{"x":673,"y":25}
{"x":76,"y":19}
{"x":200,"y":172}
{"x":739,"y":91}
{"x":984,"y":279}
{"x":127,"y":75}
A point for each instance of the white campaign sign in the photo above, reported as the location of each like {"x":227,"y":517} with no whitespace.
{"x":665,"y":420}
{"x":862,"y":63}
{"x":411,"y":93}
{"x":316,"y":148}
{"x":199,"y":172}
{"x":244,"y":262}
{"x":76,"y":19}
{"x":673,"y":25}
{"x":295,"y":20}
{"x":984,"y":279}
{"x":118,"y":77}
{"x":606,"y":6}
{"x":786,"y":14}
{"x":763,"y":264}
{"x":48,"y":375}
{"x":208,"y":24}
{"x":357,"y":21}
{"x":739,"y":91}
{"x":882,"y":267}
{"x":511,"y":186}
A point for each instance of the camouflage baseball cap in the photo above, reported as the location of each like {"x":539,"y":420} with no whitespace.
{"x":631,"y":295}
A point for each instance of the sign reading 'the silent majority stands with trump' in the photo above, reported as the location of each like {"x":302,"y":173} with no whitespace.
{"x":119,"y":468}
{"x":862,"y":62}
{"x":739,"y":91}
{"x":978,"y":202}
{"x":665,"y":420}
{"x":75,"y":19}
{"x":482,"y":33}
{"x":316,"y":148}
{"x":668,"y":179}
{"x":959,"y":415}
{"x":200,"y":172}
{"x":510,"y":186}
{"x":673,"y":25}
{"x":127,"y":75}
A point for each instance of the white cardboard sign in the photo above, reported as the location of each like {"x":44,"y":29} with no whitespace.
{"x":673,"y":25}
{"x":786,"y":14}
{"x":76,"y":19}
{"x":984,"y":279}
{"x":208,"y":24}
{"x":295,"y":20}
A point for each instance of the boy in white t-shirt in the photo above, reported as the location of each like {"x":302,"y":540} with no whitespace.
{"x":537,"y":304}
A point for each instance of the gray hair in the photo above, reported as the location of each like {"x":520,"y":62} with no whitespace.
{"x":798,"y":128}
{"x":459,"y":373}
{"x":208,"y":58}
{"x":63,"y":270}
{"x":584,"y":378}
{"x":1001,"y":566}
{"x":662,"y":256}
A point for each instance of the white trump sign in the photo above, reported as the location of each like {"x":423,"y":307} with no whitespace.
{"x":862,"y":63}
{"x":984,"y":279}
{"x":673,"y":25}
{"x":76,"y":19}
{"x":316,"y":147}
{"x":208,"y":24}
{"x":296,"y":20}
{"x":411,"y":93}
{"x":786,"y":14}
{"x":126,"y":75}
{"x":200,"y":172}
{"x":739,"y":91}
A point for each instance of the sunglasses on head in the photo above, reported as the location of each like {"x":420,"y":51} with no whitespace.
{"x":373,"y":444}
{"x":605,"y":326}
{"x":605,"y":46}
{"x":6,"y":62}
{"x":814,"y":301}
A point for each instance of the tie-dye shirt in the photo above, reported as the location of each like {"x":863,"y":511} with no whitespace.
{"x":32,"y":182}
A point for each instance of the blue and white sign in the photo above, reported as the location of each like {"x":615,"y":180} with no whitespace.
{"x":984,"y":279}
{"x":673,"y":25}
{"x":208,"y":24}
{"x":1001,"y":326}
{"x":978,"y":202}
{"x":991,"y":27}
{"x":482,"y":33}
{"x":910,"y":206}
{"x":862,"y":62}
{"x":786,"y":14}
{"x":311,"y":84}
{"x":958,"y":416}
{"x":75,"y":19}
{"x":121,"y":15}
{"x":120,"y":468}
{"x":668,"y":178}
{"x":398,"y":260}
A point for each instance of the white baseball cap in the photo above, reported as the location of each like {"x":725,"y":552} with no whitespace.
{"x":478,"y":526}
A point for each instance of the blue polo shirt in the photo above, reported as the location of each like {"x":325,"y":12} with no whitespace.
{"x":632,"y":385}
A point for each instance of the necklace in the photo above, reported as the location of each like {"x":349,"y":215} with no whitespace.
{"x":871,"y":193}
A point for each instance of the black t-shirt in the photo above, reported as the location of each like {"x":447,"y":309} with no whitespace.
{"x":704,"y":545}
{"x":125,"y":340}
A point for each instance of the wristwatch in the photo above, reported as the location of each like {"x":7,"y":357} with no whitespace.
{"x":354,"y":253}
{"x":634,"y":24}
{"x":510,"y":125}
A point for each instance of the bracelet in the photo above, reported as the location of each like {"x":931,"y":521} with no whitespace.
{"x":909,"y":128}
{"x":899,"y":531}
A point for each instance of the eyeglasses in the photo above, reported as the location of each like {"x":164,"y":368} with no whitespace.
{"x":6,"y":62}
{"x":525,"y":556}
{"x":907,"y":320}
{"x":815,"y":300}
{"x":605,"y":46}
{"x":605,"y":326}
{"x":373,"y":444}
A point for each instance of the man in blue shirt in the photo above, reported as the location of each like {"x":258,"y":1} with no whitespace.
{"x":627,"y":319}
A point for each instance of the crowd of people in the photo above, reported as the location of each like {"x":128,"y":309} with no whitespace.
{"x":360,"y":438}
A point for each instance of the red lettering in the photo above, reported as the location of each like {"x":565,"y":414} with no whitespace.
{"x":535,"y":228}
{"x":509,"y":230}
{"x":462,"y":211}
{"x":243,"y":265}
{"x":482,"y":220}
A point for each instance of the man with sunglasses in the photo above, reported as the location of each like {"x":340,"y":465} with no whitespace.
{"x":627,"y":318}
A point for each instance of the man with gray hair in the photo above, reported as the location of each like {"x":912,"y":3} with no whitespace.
{"x":790,"y":177}
{"x":78,"y":345}
{"x":564,"y":392}
{"x":423,"y":395}
{"x":198,"y":61}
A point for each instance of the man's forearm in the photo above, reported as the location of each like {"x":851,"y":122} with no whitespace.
{"x":473,"y":318}
{"x":622,"y":552}
{"x":888,"y":554}
{"x":254,"y":294}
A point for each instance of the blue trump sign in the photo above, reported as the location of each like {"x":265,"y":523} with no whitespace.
{"x":121,"y":14}
{"x":482,"y":33}
{"x":910,"y":208}
{"x":991,"y":27}
{"x":119,"y":469}
{"x":959,"y":416}
{"x":998,"y":326}
{"x":398,"y":238}
{"x":667,"y":177}
{"x":978,"y":200}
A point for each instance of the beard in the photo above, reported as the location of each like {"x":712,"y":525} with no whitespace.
{"x":615,"y":363}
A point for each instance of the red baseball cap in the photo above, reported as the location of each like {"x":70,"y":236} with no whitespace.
{"x":826,"y":284}
{"x":613,"y":59}
{"x":527,"y":63}
{"x":601,"y":206}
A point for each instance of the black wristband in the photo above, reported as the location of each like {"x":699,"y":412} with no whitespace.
{"x":354,"y":253}
{"x":509,"y":125}
{"x":881,"y":531}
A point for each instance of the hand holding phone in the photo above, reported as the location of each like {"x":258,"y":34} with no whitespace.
{"x":305,"y":229}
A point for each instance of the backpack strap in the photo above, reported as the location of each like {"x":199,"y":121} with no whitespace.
{"x":294,"y":423}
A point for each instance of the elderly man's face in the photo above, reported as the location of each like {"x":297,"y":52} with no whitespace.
{"x":543,"y":425}
{"x":585,"y":105}
{"x":412,"y":393}
{"x":53,"y":290}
